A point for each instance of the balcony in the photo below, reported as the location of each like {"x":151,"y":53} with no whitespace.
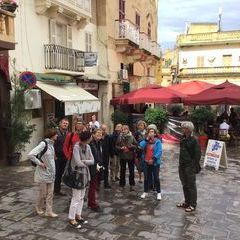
{"x":73,"y":10}
{"x":208,"y":38}
{"x":127,"y":36}
{"x":145,"y":42}
{"x":156,"y":50}
{"x":210,"y":71}
{"x":63,"y":60}
{"x":7,"y":33}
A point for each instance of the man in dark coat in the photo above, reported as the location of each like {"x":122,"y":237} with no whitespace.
{"x":107,"y":152}
{"x":61,"y":160}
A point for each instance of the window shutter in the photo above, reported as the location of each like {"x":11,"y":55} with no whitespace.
{"x":69,"y":36}
{"x":52,"y":32}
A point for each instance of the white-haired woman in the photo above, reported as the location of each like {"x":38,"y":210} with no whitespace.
{"x":190,"y":154}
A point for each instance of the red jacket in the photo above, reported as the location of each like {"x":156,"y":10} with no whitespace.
{"x":70,"y":140}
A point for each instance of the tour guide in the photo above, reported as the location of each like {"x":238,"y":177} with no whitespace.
{"x":190,"y":154}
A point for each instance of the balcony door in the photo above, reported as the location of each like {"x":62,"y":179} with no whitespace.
{"x":121,"y":10}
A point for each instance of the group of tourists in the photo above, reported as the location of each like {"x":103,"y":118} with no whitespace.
{"x":94,"y":153}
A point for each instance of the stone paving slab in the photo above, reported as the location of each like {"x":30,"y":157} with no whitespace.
{"x":125,"y":216}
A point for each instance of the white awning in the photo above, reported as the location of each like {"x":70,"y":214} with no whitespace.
{"x":76,"y":99}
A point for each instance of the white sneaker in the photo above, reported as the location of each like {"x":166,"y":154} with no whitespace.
{"x":144,"y":195}
{"x":159,"y":196}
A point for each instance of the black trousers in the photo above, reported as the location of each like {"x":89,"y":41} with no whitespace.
{"x":60,"y":164}
{"x":123,"y":165}
{"x":188,"y":180}
{"x":106,"y":171}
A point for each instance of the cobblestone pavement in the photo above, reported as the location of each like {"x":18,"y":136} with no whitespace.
{"x":124,"y":215}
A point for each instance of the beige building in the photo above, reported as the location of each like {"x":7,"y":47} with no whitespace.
{"x":128,"y":48}
{"x":57,"y":40}
{"x":169,"y":68}
{"x":207,"y":54}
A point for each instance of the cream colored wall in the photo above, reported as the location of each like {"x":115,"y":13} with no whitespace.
{"x":209,"y":53}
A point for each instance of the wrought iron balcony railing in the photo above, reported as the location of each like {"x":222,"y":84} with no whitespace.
{"x":156,"y":49}
{"x":145,"y":42}
{"x":125,"y":29}
{"x":62,"y":58}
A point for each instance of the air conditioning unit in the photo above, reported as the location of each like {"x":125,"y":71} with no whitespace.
{"x":123,"y":75}
{"x":33,"y":99}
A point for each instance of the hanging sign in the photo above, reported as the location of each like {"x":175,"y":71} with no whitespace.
{"x":90,"y":59}
{"x":216,"y":154}
{"x":28,"y":78}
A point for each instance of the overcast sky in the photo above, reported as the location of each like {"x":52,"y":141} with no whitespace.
{"x":174,"y":14}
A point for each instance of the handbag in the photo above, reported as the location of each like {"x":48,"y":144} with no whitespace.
{"x":75,"y":178}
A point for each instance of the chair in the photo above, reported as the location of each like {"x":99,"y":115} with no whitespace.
{"x":223,"y":135}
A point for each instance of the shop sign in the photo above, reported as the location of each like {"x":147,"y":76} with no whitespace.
{"x":90,"y":59}
{"x":81,"y":107}
{"x":215,"y":154}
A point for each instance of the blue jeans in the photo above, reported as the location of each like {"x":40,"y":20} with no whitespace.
{"x":149,"y":172}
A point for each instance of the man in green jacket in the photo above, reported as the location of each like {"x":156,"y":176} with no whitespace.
{"x":190,"y":154}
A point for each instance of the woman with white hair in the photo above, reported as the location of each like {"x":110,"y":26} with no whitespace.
{"x":190,"y":154}
{"x":152,"y":151}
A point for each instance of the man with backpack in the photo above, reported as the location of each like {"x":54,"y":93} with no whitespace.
{"x":190,"y":155}
{"x":61,"y":160}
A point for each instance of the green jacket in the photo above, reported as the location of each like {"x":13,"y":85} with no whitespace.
{"x":190,"y":152}
{"x":128,"y":141}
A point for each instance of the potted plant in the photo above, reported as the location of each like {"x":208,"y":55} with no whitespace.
{"x":156,"y":116}
{"x":19,"y":130}
{"x":119,"y":117}
{"x":201,"y":117}
{"x":8,"y":5}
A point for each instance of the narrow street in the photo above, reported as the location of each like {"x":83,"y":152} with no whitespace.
{"x":124,"y":215}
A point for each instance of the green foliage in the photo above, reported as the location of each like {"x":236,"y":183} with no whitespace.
{"x":157,"y":116}
{"x":175,"y":109}
{"x":119,"y":117}
{"x":19,"y":130}
{"x":200,"y":117}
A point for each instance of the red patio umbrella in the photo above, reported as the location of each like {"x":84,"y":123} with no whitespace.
{"x":149,"y":95}
{"x":225,"y":93}
{"x":192,"y":87}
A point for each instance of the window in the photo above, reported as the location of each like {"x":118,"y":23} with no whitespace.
{"x":60,"y":34}
{"x":148,"y":71}
{"x":137,"y":20}
{"x":200,"y":61}
{"x":121,"y":9}
{"x":130,"y":69}
{"x":149,"y":31}
{"x":88,"y":42}
{"x":227,"y":60}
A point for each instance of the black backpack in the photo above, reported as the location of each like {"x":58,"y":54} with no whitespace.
{"x":39,"y":156}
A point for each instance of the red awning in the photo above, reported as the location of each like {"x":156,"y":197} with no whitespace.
{"x":192,"y":87}
{"x":149,"y":95}
{"x":225,"y":93}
